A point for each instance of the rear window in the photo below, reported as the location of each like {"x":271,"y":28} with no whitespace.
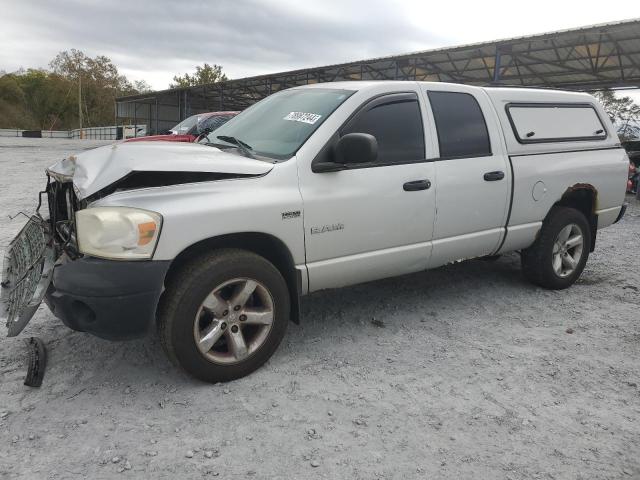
{"x":542,"y":123}
{"x":462,"y":131}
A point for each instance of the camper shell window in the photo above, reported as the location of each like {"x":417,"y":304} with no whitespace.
{"x":555,"y":122}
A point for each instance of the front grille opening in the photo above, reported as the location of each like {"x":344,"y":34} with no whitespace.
{"x":63,"y":203}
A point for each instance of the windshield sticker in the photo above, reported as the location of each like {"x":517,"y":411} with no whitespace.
{"x":309,"y":118}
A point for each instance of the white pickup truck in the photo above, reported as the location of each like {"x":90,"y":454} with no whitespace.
{"x":314,"y":187}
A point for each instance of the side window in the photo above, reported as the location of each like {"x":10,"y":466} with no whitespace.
{"x":396,"y":122}
{"x":540,"y":122}
{"x":462,"y":130}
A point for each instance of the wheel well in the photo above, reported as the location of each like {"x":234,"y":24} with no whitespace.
{"x":584,"y":198}
{"x":265,"y":245}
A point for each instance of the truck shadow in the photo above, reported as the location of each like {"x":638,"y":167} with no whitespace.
{"x":418,"y":297}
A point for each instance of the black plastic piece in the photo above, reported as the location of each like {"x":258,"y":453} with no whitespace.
{"x":494,"y":176}
{"x":416,"y":185}
{"x":32,"y":133}
{"x":37,"y":362}
{"x":623,"y":209}
{"x":356,"y":148}
{"x":323,"y":167}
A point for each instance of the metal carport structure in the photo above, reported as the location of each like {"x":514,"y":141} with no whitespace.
{"x":593,"y":57}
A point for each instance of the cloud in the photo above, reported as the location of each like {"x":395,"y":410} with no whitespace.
{"x":156,"y":39}
{"x":247,"y":37}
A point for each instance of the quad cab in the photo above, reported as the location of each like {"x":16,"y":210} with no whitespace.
{"x":314,"y":187}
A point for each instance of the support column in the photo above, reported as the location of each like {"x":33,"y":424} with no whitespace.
{"x":496,"y":67}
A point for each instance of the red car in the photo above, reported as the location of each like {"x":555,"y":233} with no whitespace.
{"x":189,"y":129}
{"x":632,"y":182}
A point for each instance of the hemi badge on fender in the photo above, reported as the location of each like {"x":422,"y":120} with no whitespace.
{"x":289,"y":215}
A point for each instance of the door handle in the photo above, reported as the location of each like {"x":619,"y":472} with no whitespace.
{"x":416,"y":185}
{"x":493,"y":176}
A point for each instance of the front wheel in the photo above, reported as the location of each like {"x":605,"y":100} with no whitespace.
{"x":224,"y":315}
{"x":559,"y":254}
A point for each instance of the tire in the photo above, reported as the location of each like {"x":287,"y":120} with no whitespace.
{"x":540,"y":260}
{"x":196,"y":310}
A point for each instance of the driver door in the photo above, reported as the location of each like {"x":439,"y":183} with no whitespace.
{"x":372,"y":220}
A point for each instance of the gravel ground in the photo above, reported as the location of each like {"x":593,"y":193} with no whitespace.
{"x":466,"y":371}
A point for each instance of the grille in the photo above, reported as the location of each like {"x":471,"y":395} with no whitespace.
{"x":26,"y":273}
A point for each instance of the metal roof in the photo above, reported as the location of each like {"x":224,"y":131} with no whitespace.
{"x":592,"y":57}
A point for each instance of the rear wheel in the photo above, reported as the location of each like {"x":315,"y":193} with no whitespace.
{"x":224,"y":315}
{"x":560,"y":252}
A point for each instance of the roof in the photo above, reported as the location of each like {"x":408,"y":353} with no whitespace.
{"x":597,"y":56}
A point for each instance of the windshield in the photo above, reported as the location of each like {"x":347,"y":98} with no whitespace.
{"x":184,"y":126}
{"x":277,"y":126}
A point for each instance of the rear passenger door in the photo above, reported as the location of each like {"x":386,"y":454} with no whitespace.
{"x":473,"y":177}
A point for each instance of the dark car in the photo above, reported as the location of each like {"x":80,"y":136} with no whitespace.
{"x":633,"y":150}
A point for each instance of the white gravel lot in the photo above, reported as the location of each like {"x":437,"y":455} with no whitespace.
{"x":461,"y":372}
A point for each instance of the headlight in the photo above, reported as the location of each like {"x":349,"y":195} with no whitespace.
{"x":118,"y":232}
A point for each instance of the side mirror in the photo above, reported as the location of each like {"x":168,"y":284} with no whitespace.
{"x":354,"y":148}
{"x":351,"y":149}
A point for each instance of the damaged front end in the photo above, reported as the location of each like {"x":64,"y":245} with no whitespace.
{"x":29,"y":259}
{"x":48,"y":260}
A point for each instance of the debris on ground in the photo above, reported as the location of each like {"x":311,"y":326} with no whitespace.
{"x":37,"y":362}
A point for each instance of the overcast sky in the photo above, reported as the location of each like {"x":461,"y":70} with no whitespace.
{"x":156,"y":39}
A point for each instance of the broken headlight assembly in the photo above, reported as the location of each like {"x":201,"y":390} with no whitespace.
{"x":118,"y":233}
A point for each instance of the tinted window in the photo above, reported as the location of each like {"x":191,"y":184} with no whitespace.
{"x":462,"y":131}
{"x":396,"y":123}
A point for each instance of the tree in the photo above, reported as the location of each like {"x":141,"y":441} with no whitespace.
{"x":203,"y":75}
{"x":623,"y":112}
{"x":12,"y":103}
{"x":100,"y":82}
{"x":48,"y":99}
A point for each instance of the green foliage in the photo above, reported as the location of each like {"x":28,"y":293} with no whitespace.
{"x":203,"y":75}
{"x":623,"y":112}
{"x":48,"y":99}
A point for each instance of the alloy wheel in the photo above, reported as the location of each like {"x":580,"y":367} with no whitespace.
{"x":567,"y":250}
{"x":234,"y":321}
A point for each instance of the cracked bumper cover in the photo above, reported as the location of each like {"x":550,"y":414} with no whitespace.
{"x":115,"y":300}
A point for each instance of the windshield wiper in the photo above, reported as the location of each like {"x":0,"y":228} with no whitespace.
{"x":246,"y":149}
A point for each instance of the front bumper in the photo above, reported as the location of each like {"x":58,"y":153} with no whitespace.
{"x":115,"y":300}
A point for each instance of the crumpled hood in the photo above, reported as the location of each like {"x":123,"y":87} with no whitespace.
{"x":93,"y":170}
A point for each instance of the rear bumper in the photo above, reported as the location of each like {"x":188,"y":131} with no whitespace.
{"x":115,"y":300}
